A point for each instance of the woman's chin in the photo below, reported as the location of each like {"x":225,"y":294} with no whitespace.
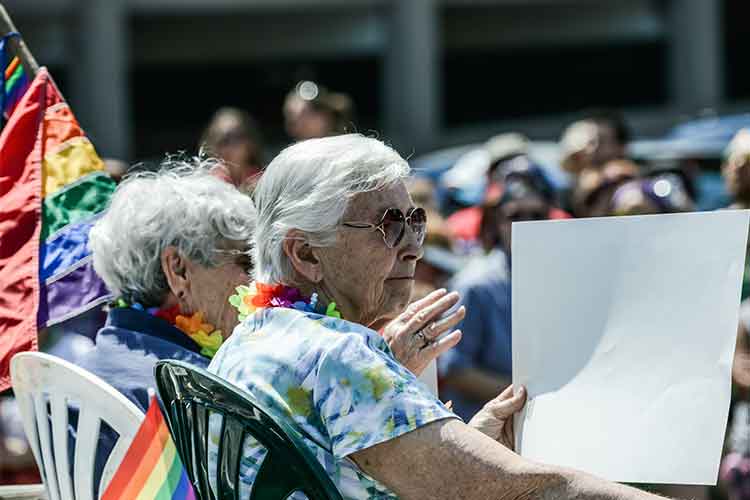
{"x":400,"y":287}
{"x":398,"y":299}
{"x":400,"y":282}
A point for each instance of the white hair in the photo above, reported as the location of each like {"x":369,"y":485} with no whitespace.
{"x":182,"y":205}
{"x":308,"y":187}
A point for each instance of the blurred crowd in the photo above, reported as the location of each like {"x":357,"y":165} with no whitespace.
{"x":468,"y":242}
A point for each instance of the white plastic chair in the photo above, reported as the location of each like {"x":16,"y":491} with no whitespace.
{"x":41,"y":381}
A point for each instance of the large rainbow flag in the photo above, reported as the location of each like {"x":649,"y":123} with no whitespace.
{"x":52,"y":189}
{"x":152,"y":468}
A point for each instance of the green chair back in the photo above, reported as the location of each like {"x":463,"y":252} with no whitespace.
{"x":190,"y":394}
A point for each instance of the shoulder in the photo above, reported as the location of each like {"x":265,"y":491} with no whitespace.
{"x":291,"y":336}
{"x":129,"y":351}
{"x":121,"y":360}
{"x":277,"y":322}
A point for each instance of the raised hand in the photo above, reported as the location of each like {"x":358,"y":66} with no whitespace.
{"x":414,"y":335}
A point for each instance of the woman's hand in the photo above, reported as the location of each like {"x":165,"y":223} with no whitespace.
{"x":413,"y":335}
{"x":496,"y":418}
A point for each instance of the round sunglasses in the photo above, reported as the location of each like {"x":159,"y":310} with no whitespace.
{"x":393,"y":225}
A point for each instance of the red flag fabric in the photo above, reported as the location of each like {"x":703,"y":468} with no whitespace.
{"x":21,"y":150}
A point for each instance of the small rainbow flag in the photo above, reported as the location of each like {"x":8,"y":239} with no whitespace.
{"x":13,"y":79}
{"x":16,"y":84}
{"x":151,"y":469}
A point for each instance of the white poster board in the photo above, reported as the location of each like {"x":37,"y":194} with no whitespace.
{"x":429,"y":377}
{"x":623,"y":334}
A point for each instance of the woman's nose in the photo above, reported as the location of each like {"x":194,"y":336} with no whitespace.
{"x":412,"y":246}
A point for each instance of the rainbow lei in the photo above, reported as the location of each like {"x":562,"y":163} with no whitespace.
{"x":259,"y":296}
{"x":204,"y":334}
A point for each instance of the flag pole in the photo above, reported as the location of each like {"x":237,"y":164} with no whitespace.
{"x":16,"y":44}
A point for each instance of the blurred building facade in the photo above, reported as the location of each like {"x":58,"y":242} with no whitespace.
{"x":144,"y":75}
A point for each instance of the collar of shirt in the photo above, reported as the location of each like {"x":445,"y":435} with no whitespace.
{"x":143,"y":322}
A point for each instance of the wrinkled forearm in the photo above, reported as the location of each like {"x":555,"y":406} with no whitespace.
{"x":448,"y":460}
{"x":578,"y":485}
{"x":526,"y":481}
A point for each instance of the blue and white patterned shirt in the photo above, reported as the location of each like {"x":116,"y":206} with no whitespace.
{"x":338,"y":380}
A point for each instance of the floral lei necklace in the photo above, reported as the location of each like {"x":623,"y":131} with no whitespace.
{"x":204,"y":334}
{"x":259,"y":296}
{"x":247,"y":300}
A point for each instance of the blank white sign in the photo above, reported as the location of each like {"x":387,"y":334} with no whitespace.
{"x":623,"y":334}
{"x":429,"y":377}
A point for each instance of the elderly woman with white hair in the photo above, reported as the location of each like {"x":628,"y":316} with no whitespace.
{"x":172,"y":247}
{"x":336,"y":245}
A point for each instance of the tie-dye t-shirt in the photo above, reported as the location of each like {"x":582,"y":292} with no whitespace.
{"x":338,"y":380}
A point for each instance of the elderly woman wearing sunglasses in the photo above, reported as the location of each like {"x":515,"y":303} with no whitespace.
{"x":336,"y":245}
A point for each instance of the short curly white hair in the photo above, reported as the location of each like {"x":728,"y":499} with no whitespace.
{"x":308,"y":187}
{"x":182,"y":205}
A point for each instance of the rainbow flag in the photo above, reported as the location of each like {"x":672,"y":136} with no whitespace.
{"x":52,"y":189}
{"x":13,"y":81}
{"x":152,"y":468}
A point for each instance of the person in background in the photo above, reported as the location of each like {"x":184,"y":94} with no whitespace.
{"x":472,"y":226}
{"x":736,"y":173}
{"x":233,"y":136}
{"x":736,"y":169}
{"x":664,"y":194}
{"x":577,"y":145}
{"x":687,"y":171}
{"x":312,"y":111}
{"x":593,"y":193}
{"x":480,"y":366}
{"x":594,"y":152}
{"x":600,"y":137}
{"x":519,"y":167}
{"x":612,"y":137}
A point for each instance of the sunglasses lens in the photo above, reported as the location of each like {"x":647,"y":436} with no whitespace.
{"x":418,"y":223}
{"x":393,"y":227}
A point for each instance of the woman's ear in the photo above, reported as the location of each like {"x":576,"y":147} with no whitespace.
{"x":302,"y":256}
{"x":175,"y":270}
